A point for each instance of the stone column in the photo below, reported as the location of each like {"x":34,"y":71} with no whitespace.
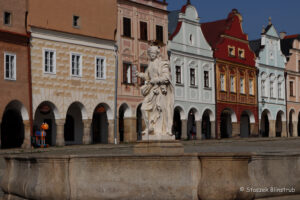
{"x":183,"y":129}
{"x":111,"y":133}
{"x":213,"y":130}
{"x":272,"y":128}
{"x":130,"y":134}
{"x":87,"y":139}
{"x":235,"y":129}
{"x":253,"y":129}
{"x":198,"y":130}
{"x":60,"y":138}
{"x":283,"y":132}
{"x":295,"y":127}
{"x":27,"y":135}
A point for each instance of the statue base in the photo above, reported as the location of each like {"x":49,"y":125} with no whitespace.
{"x":167,"y":147}
{"x":158,"y":138}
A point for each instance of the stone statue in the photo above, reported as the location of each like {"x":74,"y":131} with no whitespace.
{"x":158,"y":92}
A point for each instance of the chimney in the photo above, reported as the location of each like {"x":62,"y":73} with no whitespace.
{"x":282,"y":35}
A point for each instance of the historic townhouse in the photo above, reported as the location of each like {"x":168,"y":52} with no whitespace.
{"x":271,"y":83}
{"x":290,"y":46}
{"x":15,"y":115}
{"x":192,"y":66}
{"x":236,"y":95}
{"x":73,"y":69}
{"x":139,"y":21}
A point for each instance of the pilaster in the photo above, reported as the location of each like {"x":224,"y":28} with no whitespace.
{"x":183,"y":129}
{"x":87,"y":123}
{"x":27,"y":135}
{"x":60,"y":139}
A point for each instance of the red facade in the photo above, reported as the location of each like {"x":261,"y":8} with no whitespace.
{"x":236,"y":93}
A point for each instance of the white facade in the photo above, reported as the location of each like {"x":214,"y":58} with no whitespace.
{"x":191,"y":54}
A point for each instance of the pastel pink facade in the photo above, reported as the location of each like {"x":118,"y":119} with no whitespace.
{"x":293,"y":84}
{"x":132,"y":55}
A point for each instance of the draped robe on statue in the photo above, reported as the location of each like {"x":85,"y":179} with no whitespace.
{"x":157,"y":107}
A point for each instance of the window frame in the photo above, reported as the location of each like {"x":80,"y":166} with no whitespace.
{"x":280,"y":90}
{"x":14,"y":66}
{"x":44,"y":60}
{"x":233,"y":50}
{"x":77,"y":21}
{"x":129,"y":29}
{"x":123,"y":81}
{"x":243,"y":53}
{"x":176,"y":75}
{"x":224,"y":76}
{"x":242,"y":91}
{"x":272,"y":95}
{"x":104,"y":67}
{"x":251,"y":90}
{"x":291,"y":83}
{"x":80,"y":64}
{"x":157,"y":33}
{"x":193,"y":84}
{"x":10,"y":18}
{"x":143,"y":30}
{"x":234,"y":84}
{"x":206,"y":79}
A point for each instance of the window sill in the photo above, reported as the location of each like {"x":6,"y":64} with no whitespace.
{"x":243,"y":94}
{"x":10,"y":79}
{"x":223,"y":91}
{"x":193,"y":86}
{"x":251,"y":95}
{"x":127,"y":84}
{"x":141,"y":40}
{"x":76,"y":76}
{"x":273,"y":98}
{"x":127,"y":37}
{"x":207,"y":88}
{"x":77,"y":27}
{"x":232,"y":92}
{"x":50,"y":73}
{"x":100,"y":79}
{"x":179,"y":84}
{"x":280,"y":99}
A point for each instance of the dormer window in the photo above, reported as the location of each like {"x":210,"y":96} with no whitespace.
{"x":241,"y":53}
{"x":76,"y":21}
{"x":7,"y":18}
{"x":231,"y":51}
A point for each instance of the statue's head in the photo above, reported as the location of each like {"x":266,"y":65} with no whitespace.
{"x":153,"y":52}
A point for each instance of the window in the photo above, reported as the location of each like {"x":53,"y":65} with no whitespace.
{"x":291,"y":88}
{"x":231,"y":51}
{"x":49,"y":61}
{"x":10,"y":66}
{"x":242,"y":86}
{"x":232,"y":83}
{"x":251,"y":88}
{"x":76,"y":21}
{"x":192,"y":77}
{"x":178,"y":74}
{"x":7,"y":18}
{"x":159,"y":33}
{"x":206,"y":79}
{"x":143,"y":31}
{"x":263,"y":88}
{"x":143,"y":69}
{"x":76,"y":64}
{"x":272,"y":89}
{"x":100,"y":68}
{"x":222,"y":82}
{"x":280,"y":90}
{"x":241,"y":53}
{"x":127,"y":68}
{"x":127,"y":27}
{"x":298,"y":65}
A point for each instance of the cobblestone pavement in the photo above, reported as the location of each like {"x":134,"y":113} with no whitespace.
{"x":255,"y":145}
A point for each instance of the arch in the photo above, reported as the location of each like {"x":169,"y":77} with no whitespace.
{"x":227,"y":117}
{"x":292,"y":120}
{"x":124,"y":112}
{"x":251,"y":116}
{"x":207,"y":117}
{"x":193,"y":116}
{"x":195,"y":112}
{"x":100,"y":124}
{"x":245,"y":123}
{"x":177,"y":124}
{"x":126,"y":109}
{"x":265,"y":124}
{"x":263,"y":75}
{"x":181,"y":111}
{"x":73,"y":128}
{"x":278,"y":124}
{"x":47,"y":112}
{"x":12,"y":126}
{"x":140,"y":124}
{"x":210,"y":113}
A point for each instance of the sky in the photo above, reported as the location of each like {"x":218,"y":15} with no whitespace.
{"x":285,"y":14}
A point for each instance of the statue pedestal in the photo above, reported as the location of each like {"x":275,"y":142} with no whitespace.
{"x":168,"y":147}
{"x":158,"y":138}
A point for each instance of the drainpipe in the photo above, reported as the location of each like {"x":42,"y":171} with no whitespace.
{"x":216,"y":111}
{"x":29,"y":78}
{"x":116,"y":94}
{"x":257,"y":100}
{"x":286,"y":109}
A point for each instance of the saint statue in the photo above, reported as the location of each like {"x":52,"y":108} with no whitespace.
{"x":158,"y":91}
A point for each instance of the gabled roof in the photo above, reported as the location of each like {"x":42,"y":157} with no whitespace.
{"x":213,"y":30}
{"x":287,"y":43}
{"x":173,"y":20}
{"x":256,"y":46}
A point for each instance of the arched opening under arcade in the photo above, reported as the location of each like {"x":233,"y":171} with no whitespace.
{"x":100,"y":125}
{"x":228,"y":116}
{"x":278,"y":125}
{"x":140,"y":125}
{"x":191,"y":124}
{"x":206,"y":124}
{"x":177,"y":124}
{"x":265,"y":124}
